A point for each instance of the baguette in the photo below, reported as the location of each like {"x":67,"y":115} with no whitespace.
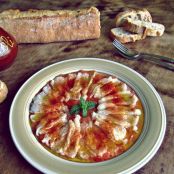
{"x":134,"y":14}
{"x":143,"y":28}
{"x":44,"y":26}
{"x":124,"y":36}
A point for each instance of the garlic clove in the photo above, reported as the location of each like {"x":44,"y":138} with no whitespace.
{"x":3,"y":91}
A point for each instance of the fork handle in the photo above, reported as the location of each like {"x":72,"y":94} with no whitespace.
{"x":158,"y":57}
{"x":160,"y":60}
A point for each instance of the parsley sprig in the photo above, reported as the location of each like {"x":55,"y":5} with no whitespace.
{"x":83,"y":106}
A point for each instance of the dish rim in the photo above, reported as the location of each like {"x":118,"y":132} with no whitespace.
{"x":130,"y":170}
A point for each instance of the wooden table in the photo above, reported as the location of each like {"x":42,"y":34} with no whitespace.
{"x":33,"y":57}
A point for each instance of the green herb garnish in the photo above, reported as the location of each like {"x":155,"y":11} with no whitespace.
{"x":75,"y":109}
{"x":83,"y":106}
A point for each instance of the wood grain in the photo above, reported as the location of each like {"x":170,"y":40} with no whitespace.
{"x":33,"y":57}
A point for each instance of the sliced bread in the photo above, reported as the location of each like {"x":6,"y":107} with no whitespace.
{"x":135,"y":14}
{"x":143,"y":28}
{"x":124,"y":36}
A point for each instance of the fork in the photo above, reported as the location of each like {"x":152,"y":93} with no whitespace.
{"x":135,"y":55}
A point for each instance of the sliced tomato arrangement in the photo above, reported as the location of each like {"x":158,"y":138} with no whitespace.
{"x":86,"y":116}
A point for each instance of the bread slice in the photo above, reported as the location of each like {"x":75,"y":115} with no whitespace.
{"x":134,"y":14}
{"x":124,"y":36}
{"x":43,"y":26}
{"x":143,"y":28}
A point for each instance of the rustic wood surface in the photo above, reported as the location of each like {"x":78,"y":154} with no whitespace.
{"x":33,"y":57}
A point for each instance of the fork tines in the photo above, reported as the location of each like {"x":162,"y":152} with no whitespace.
{"x":120,"y":46}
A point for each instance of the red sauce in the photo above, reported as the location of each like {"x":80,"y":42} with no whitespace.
{"x":71,"y":103}
{"x":70,"y":83}
{"x":109,"y":86}
{"x":117,"y":100}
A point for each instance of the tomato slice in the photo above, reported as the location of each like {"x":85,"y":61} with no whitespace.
{"x":8,"y":49}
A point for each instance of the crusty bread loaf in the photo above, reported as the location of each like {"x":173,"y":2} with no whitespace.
{"x":124,"y":36}
{"x":43,"y":26}
{"x":135,"y":14}
{"x":143,"y":28}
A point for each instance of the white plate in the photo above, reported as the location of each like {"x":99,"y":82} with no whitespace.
{"x":136,"y":157}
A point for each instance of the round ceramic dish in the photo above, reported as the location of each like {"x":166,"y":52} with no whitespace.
{"x":137,"y":156}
